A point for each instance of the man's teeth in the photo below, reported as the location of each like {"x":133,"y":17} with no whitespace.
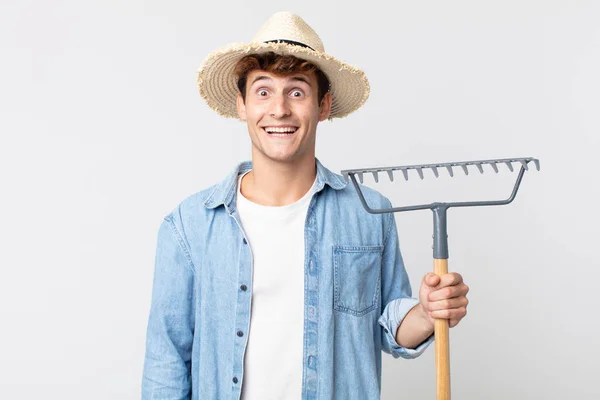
{"x":280,"y":130}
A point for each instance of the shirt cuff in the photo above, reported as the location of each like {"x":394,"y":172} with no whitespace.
{"x":393,"y":314}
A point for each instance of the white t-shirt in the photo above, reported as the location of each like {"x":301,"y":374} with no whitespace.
{"x":273,"y":358}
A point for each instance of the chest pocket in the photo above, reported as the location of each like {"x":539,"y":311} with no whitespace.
{"x":357,"y":278}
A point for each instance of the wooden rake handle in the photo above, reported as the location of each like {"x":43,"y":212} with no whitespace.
{"x":442,"y":345}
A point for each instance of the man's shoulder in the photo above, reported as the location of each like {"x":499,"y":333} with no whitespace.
{"x":193,"y":204}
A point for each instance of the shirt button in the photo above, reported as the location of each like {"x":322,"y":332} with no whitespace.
{"x":245,"y":241}
{"x":385,"y":330}
{"x":244,"y":287}
{"x":235,"y":380}
{"x":240,"y":333}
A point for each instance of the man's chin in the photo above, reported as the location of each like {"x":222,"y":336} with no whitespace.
{"x":282,"y":158}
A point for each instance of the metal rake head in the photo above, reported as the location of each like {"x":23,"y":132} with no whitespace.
{"x":350,"y":174}
{"x":436,"y":167}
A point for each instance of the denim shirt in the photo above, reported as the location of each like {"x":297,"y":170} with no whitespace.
{"x":356,"y":293}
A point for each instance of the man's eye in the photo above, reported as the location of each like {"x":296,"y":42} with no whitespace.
{"x":260,"y":92}
{"x":297,"y":93}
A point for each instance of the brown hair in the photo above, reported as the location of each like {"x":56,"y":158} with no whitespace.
{"x":278,"y":64}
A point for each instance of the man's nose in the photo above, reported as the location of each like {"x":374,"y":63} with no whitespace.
{"x":279,"y":106}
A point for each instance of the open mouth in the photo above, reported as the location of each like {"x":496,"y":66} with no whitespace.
{"x":280,"y":131}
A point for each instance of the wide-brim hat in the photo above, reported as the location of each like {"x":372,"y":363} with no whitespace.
{"x":283,"y":33}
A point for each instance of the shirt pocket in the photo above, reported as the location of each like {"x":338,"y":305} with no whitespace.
{"x":357,"y":277}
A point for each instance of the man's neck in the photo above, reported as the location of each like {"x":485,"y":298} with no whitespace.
{"x":272,"y":183}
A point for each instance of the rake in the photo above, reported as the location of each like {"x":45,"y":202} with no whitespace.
{"x":440,"y":237}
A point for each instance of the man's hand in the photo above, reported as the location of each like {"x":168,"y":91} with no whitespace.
{"x":444,"y":298}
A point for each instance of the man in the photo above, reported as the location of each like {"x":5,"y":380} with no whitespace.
{"x":275,"y":283}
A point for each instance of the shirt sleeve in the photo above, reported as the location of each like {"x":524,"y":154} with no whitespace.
{"x":396,"y":295}
{"x":169,"y":336}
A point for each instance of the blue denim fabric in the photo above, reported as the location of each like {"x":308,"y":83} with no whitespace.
{"x":356,"y":293}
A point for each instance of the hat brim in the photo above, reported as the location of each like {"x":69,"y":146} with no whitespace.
{"x":217,"y":82}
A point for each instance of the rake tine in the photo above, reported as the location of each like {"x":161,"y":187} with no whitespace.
{"x":376,"y":176}
{"x":420,"y":172}
{"x":405,"y":173}
{"x":524,"y":164}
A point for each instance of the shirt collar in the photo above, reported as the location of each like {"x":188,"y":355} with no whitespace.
{"x":225,"y":191}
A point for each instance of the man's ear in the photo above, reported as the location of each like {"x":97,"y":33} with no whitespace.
{"x":241,"y":107}
{"x":325,"y":107}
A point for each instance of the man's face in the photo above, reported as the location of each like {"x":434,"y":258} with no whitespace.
{"x":282,"y":114}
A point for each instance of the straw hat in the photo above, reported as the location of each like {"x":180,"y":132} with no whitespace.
{"x":283,"y":33}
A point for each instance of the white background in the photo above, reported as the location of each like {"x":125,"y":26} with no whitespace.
{"x":103,"y":133}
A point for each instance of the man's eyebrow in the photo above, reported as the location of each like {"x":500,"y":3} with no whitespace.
{"x":259,"y":78}
{"x":302,"y":79}
{"x":267,"y":78}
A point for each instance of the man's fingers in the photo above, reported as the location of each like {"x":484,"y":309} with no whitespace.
{"x":448,"y":299}
{"x":448,"y":292}
{"x":448,"y":304}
